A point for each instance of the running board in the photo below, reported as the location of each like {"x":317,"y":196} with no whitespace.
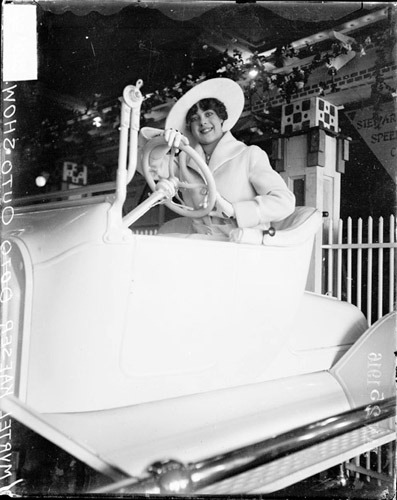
{"x":275,"y":463}
{"x":298,"y":466}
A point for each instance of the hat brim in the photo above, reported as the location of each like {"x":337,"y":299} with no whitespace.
{"x":225,"y":90}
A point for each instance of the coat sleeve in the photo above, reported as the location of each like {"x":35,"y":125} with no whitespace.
{"x":273,"y":200}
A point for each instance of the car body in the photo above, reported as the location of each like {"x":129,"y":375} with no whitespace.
{"x":132,"y":348}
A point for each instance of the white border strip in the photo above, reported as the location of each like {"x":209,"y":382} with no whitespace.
{"x":19,"y":43}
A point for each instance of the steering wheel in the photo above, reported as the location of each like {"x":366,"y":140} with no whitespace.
{"x":207,"y":187}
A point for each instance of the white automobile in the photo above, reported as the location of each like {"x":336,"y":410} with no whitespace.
{"x":180,"y":365}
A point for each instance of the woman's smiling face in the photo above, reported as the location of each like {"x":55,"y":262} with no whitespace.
{"x":206,"y":126}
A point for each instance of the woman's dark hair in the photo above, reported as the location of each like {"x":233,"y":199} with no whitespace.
{"x":205,"y":105}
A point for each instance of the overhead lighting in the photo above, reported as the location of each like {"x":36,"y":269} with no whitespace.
{"x":345,"y":28}
{"x":41,"y":180}
{"x":97,"y":121}
{"x":253,"y":73}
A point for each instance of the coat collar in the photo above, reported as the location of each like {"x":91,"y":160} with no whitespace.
{"x":226,"y":149}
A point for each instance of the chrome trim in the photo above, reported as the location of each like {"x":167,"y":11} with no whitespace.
{"x":188,"y":478}
{"x":237,"y":461}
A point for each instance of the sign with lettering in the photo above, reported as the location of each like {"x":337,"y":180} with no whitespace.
{"x":379,"y":132}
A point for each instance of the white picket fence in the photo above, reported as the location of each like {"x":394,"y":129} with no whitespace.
{"x":146,"y":231}
{"x":359,"y":264}
{"x":359,"y":267}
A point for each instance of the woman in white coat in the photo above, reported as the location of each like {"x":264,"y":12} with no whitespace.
{"x":250,"y":193}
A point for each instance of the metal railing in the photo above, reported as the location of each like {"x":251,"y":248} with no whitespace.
{"x":66,"y":194}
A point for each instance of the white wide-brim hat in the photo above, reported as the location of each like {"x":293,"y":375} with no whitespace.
{"x":225,"y":90}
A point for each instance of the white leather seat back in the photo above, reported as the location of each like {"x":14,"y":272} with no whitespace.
{"x":295,"y":229}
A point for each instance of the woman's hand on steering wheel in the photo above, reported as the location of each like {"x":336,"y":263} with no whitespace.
{"x":223,"y":208}
{"x":202,"y":180}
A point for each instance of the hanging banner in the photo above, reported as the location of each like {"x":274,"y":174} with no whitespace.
{"x":379,"y":132}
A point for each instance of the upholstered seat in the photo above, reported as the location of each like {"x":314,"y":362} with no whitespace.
{"x":300,"y":226}
{"x":295,"y":229}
